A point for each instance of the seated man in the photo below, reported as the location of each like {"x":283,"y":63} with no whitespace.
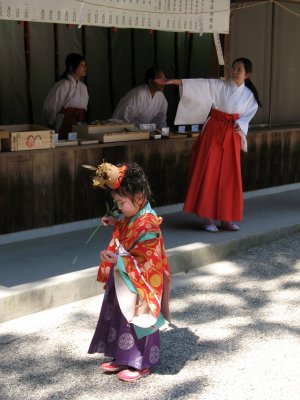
{"x":145,"y":104}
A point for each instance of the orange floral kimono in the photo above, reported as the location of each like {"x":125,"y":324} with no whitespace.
{"x":141,"y":275}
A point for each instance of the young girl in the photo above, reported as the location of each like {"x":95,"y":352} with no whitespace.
{"x":136,"y":275}
{"x":215,"y":189}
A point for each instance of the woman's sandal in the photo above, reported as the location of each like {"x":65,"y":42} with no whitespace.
{"x":228,"y":226}
{"x":131,"y":375}
{"x":210,"y":228}
{"x":112,"y":367}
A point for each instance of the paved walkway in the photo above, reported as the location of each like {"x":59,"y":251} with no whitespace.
{"x":236,"y":336}
{"x":39,"y":274}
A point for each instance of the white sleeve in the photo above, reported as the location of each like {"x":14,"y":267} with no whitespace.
{"x":127,"y":108}
{"x":246,"y":117}
{"x":196,"y":98}
{"x":54,"y":102}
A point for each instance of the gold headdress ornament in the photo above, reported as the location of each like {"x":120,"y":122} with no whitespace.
{"x":107,"y":175}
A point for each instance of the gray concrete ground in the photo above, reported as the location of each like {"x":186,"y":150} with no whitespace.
{"x":236,"y":335}
{"x":39,"y":274}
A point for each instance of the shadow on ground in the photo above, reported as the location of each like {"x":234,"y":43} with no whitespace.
{"x":214,"y":310}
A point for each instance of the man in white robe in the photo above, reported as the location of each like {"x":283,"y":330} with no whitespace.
{"x":145,"y":104}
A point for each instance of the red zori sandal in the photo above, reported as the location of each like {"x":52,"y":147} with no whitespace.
{"x":111,"y":367}
{"x":129,"y":375}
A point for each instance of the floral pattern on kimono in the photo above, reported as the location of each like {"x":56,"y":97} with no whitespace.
{"x":145,"y":259}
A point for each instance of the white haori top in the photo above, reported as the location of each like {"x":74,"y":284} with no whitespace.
{"x":133,"y":306}
{"x":198,"y":96}
{"x":138,"y":106}
{"x":65,"y":93}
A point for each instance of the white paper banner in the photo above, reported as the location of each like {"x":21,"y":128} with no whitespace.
{"x":166,"y":15}
{"x":219,"y":49}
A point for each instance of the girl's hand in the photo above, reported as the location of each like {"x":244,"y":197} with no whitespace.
{"x":108,"y":220}
{"x":109,"y":256}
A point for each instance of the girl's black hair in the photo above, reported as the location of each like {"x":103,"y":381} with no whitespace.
{"x":134,"y":182}
{"x":151,"y":73}
{"x":248,"y":83}
{"x":72,"y":62}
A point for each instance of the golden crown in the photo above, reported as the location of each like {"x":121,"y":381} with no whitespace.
{"x":107,"y":175}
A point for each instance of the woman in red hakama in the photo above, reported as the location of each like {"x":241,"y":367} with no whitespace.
{"x":215,"y":189}
{"x":67,"y":101}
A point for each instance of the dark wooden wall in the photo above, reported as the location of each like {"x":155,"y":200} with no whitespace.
{"x":266,"y":34}
{"x":273,"y":158}
{"x":33,"y":57}
{"x":48,"y":187}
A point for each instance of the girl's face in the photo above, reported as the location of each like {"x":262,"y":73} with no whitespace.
{"x":127,"y":206}
{"x":238,"y":73}
{"x":81,"y":69}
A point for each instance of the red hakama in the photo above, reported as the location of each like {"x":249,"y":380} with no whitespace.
{"x":72,"y":115}
{"x":215,"y":189}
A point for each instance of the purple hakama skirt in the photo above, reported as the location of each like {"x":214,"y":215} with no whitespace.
{"x":116,"y":338}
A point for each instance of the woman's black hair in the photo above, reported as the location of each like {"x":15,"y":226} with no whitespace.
{"x":72,"y":62}
{"x":248,"y":83}
{"x":151,"y":73}
{"x":134,"y":182}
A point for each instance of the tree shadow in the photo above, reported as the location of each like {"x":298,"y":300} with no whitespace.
{"x":174,"y":357}
{"x":215,"y":310}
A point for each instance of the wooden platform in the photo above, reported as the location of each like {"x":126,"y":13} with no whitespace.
{"x":48,"y":187}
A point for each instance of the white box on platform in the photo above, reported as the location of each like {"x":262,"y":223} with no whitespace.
{"x":148,"y":127}
{"x":26,"y":137}
{"x":72,"y":136}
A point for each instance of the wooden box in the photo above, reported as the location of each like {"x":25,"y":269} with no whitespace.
{"x":123,"y":136}
{"x":26,"y":137}
{"x":85,"y":131}
{"x":66,"y":143}
{"x":3,"y":135}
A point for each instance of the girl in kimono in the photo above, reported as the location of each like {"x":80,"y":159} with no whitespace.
{"x":135,"y":273}
{"x":226,"y":107}
{"x":67,"y":101}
